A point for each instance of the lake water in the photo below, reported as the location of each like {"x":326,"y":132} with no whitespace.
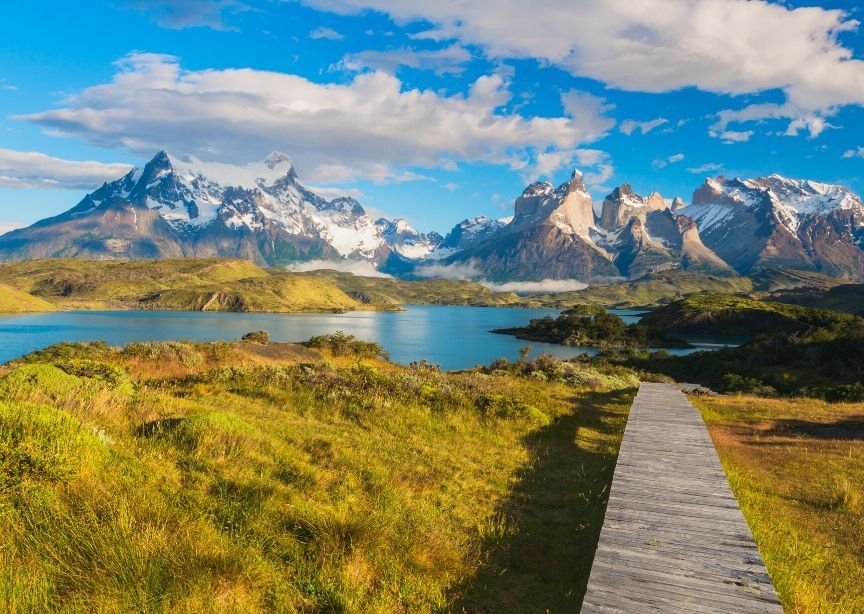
{"x":453,"y":337}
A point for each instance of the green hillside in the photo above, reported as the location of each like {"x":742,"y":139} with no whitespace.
{"x":180,"y":284}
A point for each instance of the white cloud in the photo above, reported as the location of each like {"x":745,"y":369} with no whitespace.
{"x":372,"y":126}
{"x":450,"y":186}
{"x":800,"y":120}
{"x":664,"y":162}
{"x":734,"y":136}
{"x":726,"y":46}
{"x":629,"y":126}
{"x":721,"y":46}
{"x":181,"y":14}
{"x":363,"y":268}
{"x":536,"y":287}
{"x":709,"y":167}
{"x":467,"y":270}
{"x":324,"y":33}
{"x":448,"y":60}
{"x":331,"y":192}
{"x":31,"y":169}
{"x":858,"y":152}
{"x":5,"y":86}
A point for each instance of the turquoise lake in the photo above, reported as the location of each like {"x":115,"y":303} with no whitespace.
{"x":453,"y":337}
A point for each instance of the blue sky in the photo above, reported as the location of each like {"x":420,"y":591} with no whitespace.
{"x":430,"y":111}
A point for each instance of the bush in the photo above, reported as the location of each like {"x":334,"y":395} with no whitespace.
{"x":343,"y":344}
{"x":258,"y":336}
{"x":848,"y":393}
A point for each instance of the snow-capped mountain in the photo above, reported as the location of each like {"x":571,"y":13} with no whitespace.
{"x":174,"y":207}
{"x":554,"y":234}
{"x":262,"y":212}
{"x":775,"y":221}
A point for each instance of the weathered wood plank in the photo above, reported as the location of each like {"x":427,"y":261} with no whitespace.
{"x":674,"y":538}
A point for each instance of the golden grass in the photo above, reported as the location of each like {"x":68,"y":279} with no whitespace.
{"x":797,"y":469}
{"x":238,"y":477}
{"x":13,"y":300}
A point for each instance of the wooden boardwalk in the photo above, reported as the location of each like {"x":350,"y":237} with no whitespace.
{"x":674,"y":538}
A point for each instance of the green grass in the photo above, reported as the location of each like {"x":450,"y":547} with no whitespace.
{"x":390,"y":291}
{"x":252,"y":477}
{"x":797,"y":469}
{"x":187,"y":284}
{"x":13,"y":300}
{"x":653,"y":289}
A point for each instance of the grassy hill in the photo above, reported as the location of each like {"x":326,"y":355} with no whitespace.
{"x":391,"y":291}
{"x":13,"y":300}
{"x":794,"y":350}
{"x":181,"y":284}
{"x":249,"y":477}
{"x":653,"y":289}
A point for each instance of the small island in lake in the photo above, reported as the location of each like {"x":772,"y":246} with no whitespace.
{"x":593,"y":325}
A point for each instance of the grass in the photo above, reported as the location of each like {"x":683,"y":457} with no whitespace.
{"x":186,"y":284}
{"x":797,"y":469}
{"x":13,"y":300}
{"x":258,"y":477}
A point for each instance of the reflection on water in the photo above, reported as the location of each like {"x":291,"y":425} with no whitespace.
{"x":454,"y":337}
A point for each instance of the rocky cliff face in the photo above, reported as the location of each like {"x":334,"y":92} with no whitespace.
{"x":779,"y":222}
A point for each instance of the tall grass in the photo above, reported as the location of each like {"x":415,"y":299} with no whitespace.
{"x":209,"y":477}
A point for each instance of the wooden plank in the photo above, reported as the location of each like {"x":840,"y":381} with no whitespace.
{"x":674,"y":538}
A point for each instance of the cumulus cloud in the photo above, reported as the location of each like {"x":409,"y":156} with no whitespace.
{"x":31,"y":169}
{"x":709,"y":167}
{"x":664,"y":162}
{"x":629,"y":126}
{"x":372,"y":126}
{"x":537,"y":287}
{"x":325,"y":33}
{"x":447,"y":60}
{"x":181,"y":14}
{"x":858,"y":152}
{"x":657,"y":45}
{"x":362,"y":268}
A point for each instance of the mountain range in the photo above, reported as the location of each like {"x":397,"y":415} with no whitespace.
{"x":262,"y":212}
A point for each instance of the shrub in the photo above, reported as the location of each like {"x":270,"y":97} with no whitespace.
{"x":343,"y":344}
{"x":258,"y":336}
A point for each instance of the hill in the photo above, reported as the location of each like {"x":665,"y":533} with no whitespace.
{"x":181,"y":284}
{"x":390,"y":291}
{"x":13,"y":300}
{"x":649,"y":290}
{"x":795,"y":350}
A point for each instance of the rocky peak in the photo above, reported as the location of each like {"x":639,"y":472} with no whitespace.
{"x":655,"y":201}
{"x":678,"y":203}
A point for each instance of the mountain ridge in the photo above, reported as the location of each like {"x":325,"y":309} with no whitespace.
{"x":262,"y":212}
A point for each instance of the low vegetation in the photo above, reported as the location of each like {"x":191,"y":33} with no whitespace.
{"x":796,"y":351}
{"x":249,"y":477}
{"x":592,"y":325}
{"x":797,"y":469}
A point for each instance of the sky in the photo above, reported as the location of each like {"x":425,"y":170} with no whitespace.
{"x":432,"y":111}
